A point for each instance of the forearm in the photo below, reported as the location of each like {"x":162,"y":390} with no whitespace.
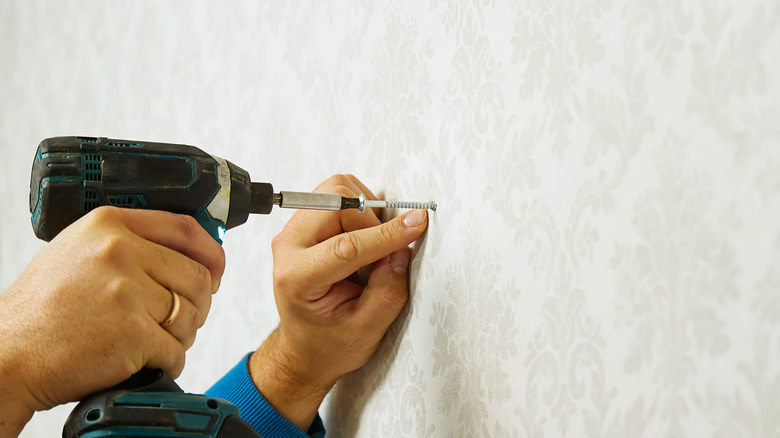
{"x":15,"y":403}
{"x":14,"y":409}
{"x":12,"y":417}
{"x":285,"y":383}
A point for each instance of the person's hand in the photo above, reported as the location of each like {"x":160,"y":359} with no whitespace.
{"x":86,"y":313}
{"x":331,"y":323}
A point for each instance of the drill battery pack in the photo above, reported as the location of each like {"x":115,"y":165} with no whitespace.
{"x":151,"y":404}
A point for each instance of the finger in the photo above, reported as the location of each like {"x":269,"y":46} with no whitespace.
{"x":186,"y":321}
{"x":176,"y":272}
{"x":385,"y":295}
{"x":180,"y":233}
{"x":356,"y":220}
{"x":368,"y":193}
{"x":325,"y":225}
{"x":361,"y":187}
{"x":340,"y":256}
{"x":357,"y":187}
{"x":165,"y":352}
{"x":333,"y":302}
{"x":309,"y":227}
{"x":347,"y":180}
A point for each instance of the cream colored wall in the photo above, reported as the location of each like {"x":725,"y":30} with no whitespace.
{"x":604,"y":261}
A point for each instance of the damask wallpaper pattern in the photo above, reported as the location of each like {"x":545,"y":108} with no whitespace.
{"x":604,"y":259}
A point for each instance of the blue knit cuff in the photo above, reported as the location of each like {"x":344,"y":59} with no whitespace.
{"x":237,"y":388}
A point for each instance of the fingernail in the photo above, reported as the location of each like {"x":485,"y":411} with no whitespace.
{"x":415,"y":218}
{"x":399,"y":261}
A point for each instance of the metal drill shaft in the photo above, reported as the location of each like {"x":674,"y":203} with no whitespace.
{"x":332,"y":201}
{"x":310,"y":201}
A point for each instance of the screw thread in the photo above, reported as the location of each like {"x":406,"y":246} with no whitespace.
{"x":411,"y":205}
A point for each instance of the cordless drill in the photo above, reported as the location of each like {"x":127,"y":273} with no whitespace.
{"x":72,"y":176}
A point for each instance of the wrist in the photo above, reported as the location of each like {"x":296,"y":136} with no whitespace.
{"x":302,"y":360}
{"x":288,"y":382}
{"x":15,"y":401}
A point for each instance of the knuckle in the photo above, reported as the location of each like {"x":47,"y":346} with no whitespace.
{"x":202,"y":311}
{"x":388,"y":231}
{"x":282,"y":276}
{"x":188,"y":225}
{"x":277,"y":243}
{"x":188,"y":341}
{"x":104,"y":214}
{"x":343,"y":191}
{"x":203,"y":276}
{"x":339,"y":183}
{"x":177,"y":356}
{"x":221,"y":258}
{"x":392,"y":298}
{"x":126,"y":368}
{"x":112,"y":248}
{"x":345,"y":247}
{"x":193,"y":323}
{"x":135,"y":328}
{"x":339,"y":179}
{"x":118,"y":290}
{"x":290,"y":282}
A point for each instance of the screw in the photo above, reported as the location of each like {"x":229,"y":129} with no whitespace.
{"x":366,"y":203}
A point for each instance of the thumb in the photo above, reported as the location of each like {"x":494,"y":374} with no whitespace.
{"x":385,"y":294}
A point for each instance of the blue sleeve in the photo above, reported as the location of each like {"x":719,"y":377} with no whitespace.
{"x":237,"y":388}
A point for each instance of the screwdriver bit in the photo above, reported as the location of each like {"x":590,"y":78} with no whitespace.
{"x":332,"y":201}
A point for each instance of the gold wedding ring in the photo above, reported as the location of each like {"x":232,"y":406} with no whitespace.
{"x":174,"y":310}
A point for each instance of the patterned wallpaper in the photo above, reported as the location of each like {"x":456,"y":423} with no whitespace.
{"x":604,"y":261}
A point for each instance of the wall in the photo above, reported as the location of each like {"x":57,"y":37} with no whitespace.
{"x":604,"y":261}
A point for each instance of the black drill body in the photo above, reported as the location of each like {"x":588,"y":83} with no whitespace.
{"x":73,"y":175}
